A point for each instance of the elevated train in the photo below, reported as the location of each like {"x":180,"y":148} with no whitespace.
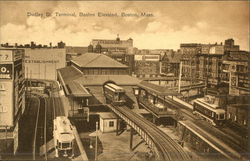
{"x":63,"y":137}
{"x":209,"y":111}
{"x":114,"y":94}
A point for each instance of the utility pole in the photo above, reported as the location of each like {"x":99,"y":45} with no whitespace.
{"x":180,"y":73}
{"x":45,"y":71}
{"x":96,"y":137}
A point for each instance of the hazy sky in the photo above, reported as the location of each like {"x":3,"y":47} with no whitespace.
{"x":173,"y":22}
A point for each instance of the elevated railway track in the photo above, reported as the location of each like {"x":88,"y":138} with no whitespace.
{"x":164,"y":147}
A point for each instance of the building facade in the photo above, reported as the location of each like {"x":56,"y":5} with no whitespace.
{"x":189,"y":60}
{"x":236,"y":72}
{"x":170,"y":63}
{"x":110,"y":46}
{"x":210,"y":64}
{"x":147,"y":65}
{"x":12,"y":97}
{"x":41,"y":63}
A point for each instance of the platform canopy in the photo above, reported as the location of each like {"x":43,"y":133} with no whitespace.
{"x":156,"y":89}
{"x":77,"y":90}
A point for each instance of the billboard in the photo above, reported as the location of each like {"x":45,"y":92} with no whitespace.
{"x":6,"y":71}
{"x":233,"y":84}
{"x":6,"y":103}
{"x":152,"y":57}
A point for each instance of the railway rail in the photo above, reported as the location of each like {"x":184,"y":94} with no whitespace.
{"x":167,"y":149}
{"x":40,"y":133}
{"x":211,"y":130}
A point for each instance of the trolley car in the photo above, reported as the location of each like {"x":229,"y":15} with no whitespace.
{"x":114,"y":94}
{"x":63,"y":137}
{"x":212,"y":113}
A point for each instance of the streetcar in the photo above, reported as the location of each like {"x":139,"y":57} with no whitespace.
{"x":210,"y":112}
{"x":63,"y":137}
{"x":114,"y":94}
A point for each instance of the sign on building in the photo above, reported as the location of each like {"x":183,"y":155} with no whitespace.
{"x":6,"y":71}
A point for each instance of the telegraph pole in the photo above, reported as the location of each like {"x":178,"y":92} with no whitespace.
{"x":180,"y":73}
{"x":96,"y":137}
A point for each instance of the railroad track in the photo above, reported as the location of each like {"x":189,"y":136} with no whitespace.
{"x":183,"y":108}
{"x":40,"y":133}
{"x":168,"y":149}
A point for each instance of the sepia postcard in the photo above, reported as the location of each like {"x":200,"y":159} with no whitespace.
{"x":124,"y":80}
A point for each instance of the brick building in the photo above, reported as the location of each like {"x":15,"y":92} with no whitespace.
{"x":209,"y":64}
{"x":189,"y":60}
{"x":236,"y":72}
{"x":110,"y":46}
{"x":170,"y":63}
{"x":12,"y":97}
{"x":147,"y":65}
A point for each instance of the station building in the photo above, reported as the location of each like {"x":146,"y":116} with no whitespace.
{"x":12,"y":97}
{"x":84,"y":79}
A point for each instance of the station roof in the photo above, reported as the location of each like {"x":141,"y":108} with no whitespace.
{"x":158,"y":90}
{"x":101,"y":79}
{"x":107,"y":115}
{"x":68,"y":74}
{"x":77,"y":90}
{"x":94,"y":60}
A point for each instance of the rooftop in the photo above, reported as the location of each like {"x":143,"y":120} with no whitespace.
{"x":107,"y":115}
{"x":159,"y":90}
{"x":88,"y":80}
{"x":94,"y":60}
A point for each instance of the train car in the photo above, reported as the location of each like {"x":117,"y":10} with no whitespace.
{"x":114,"y":94}
{"x":63,"y":137}
{"x":212,"y":113}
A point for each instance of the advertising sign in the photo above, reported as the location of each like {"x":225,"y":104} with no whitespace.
{"x":147,"y":57}
{"x":233,"y":84}
{"x":6,"y":71}
{"x":6,"y":103}
{"x":5,"y":55}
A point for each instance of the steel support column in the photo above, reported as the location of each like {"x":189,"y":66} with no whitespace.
{"x":131,"y":139}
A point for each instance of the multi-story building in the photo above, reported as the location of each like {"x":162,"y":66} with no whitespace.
{"x":41,"y":61}
{"x":126,"y":59}
{"x":209,"y":62}
{"x":110,"y":46}
{"x":170,"y":63}
{"x":189,"y":60}
{"x":236,"y":72}
{"x":12,"y":97}
{"x":147,"y":65}
{"x":229,"y":45}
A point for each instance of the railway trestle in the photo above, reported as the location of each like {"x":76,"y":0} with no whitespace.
{"x":142,"y":132}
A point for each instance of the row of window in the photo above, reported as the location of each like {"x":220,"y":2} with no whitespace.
{"x":105,"y":71}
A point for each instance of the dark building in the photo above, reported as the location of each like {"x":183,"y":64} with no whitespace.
{"x":170,"y":63}
{"x":190,"y":60}
{"x":147,"y":65}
